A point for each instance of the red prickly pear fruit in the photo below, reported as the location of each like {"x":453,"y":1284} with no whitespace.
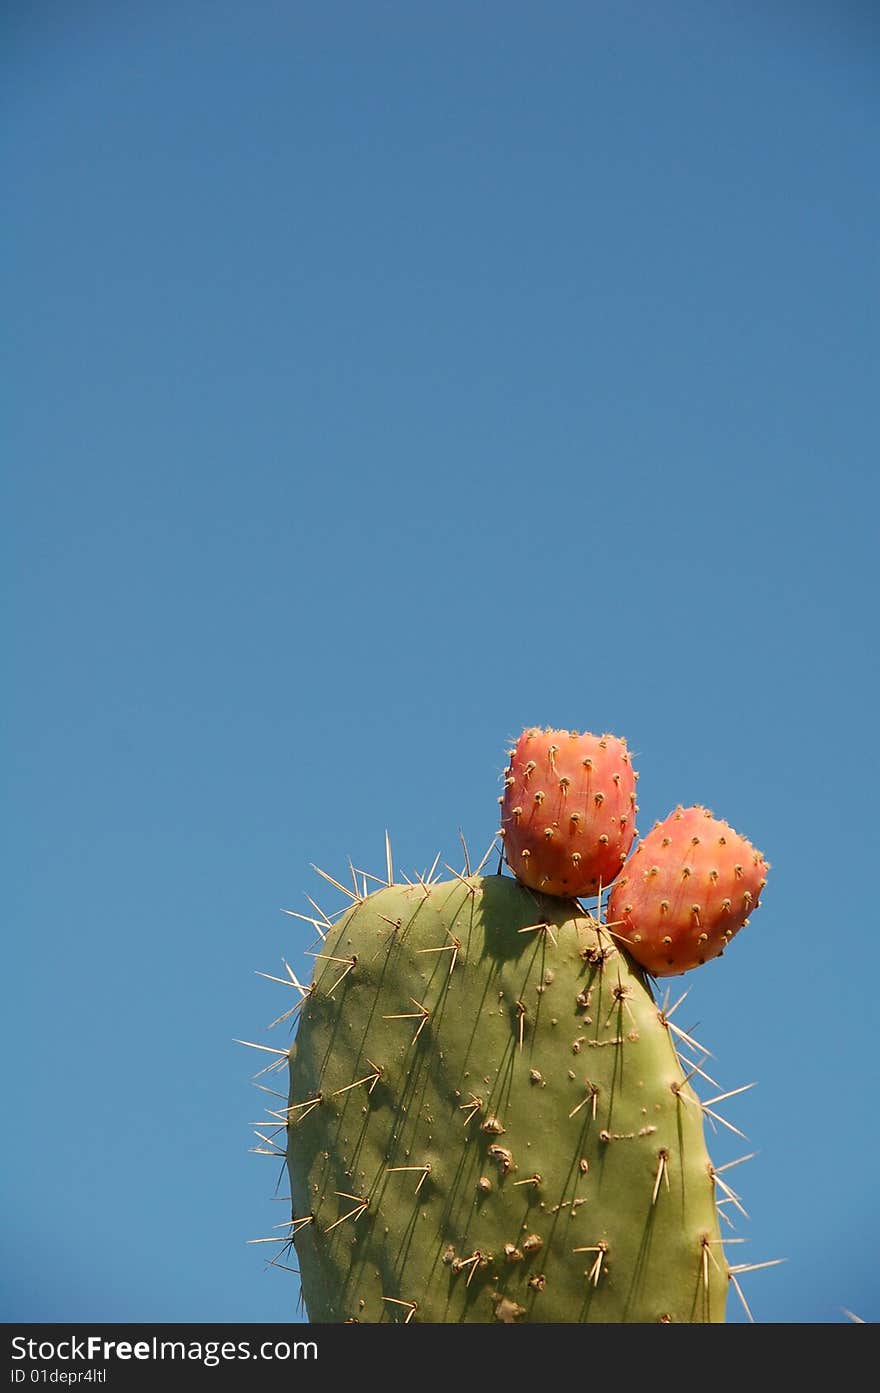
{"x":568,"y":810}
{"x":690,"y":885}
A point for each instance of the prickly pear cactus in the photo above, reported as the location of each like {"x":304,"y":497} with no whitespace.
{"x":488,"y":1121}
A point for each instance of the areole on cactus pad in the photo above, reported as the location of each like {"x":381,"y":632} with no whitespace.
{"x":490,"y":1117}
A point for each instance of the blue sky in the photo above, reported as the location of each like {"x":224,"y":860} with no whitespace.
{"x":381,"y":379}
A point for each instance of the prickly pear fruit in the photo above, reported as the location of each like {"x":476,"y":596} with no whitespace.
{"x":690,"y":885}
{"x":489,"y":1121}
{"x":568,"y":810}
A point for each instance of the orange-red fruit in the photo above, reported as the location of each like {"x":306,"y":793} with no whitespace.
{"x":690,"y":885}
{"x":568,"y":810}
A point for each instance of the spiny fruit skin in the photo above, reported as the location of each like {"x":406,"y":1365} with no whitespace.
{"x":690,"y":885}
{"x":568,"y":810}
{"x":488,"y":1121}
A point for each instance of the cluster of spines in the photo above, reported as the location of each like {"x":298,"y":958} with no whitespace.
{"x":354,"y":1205}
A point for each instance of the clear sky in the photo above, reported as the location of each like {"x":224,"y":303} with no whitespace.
{"x":381,"y":378}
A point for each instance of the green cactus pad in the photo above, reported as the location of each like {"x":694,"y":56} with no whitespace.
{"x":488,"y":1121}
